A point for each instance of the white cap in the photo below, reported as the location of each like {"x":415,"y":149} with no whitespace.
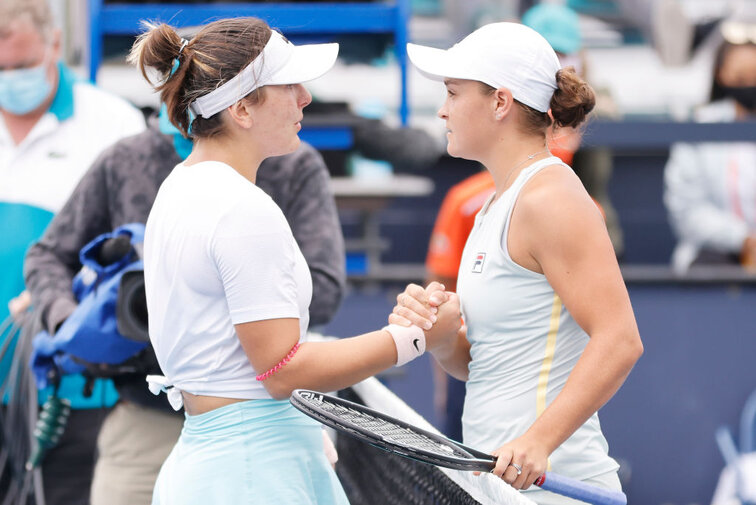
{"x":502,"y":55}
{"x":280,"y":62}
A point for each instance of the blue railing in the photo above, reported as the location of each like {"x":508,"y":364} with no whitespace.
{"x":327,"y":19}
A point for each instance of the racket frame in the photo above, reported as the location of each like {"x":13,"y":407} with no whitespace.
{"x":476,"y":460}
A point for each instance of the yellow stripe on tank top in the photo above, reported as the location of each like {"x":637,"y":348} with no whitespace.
{"x":543,"y":377}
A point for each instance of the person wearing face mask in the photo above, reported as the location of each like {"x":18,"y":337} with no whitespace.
{"x":138,"y":434}
{"x":710,"y":188}
{"x":52,"y":126}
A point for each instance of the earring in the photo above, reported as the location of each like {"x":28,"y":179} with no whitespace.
{"x":499,"y":115}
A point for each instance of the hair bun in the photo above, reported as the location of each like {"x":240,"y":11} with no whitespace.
{"x":573,"y":100}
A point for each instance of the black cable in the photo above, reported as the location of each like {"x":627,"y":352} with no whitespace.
{"x":24,"y":497}
{"x":13,"y":336}
{"x":11,"y":441}
{"x":3,"y":461}
{"x":5,"y":324}
{"x":20,"y":387}
{"x":14,"y":331}
{"x":38,"y":492}
{"x":5,"y":433}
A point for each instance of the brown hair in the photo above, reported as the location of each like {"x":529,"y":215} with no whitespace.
{"x":570,"y":104}
{"x":214,"y":55}
{"x":573,"y":99}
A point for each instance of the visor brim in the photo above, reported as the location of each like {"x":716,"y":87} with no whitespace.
{"x":307,"y":62}
{"x":438,"y":64}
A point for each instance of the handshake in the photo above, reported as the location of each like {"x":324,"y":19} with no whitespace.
{"x":425,"y":319}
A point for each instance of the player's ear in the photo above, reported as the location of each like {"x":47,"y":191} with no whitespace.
{"x":502,"y":105}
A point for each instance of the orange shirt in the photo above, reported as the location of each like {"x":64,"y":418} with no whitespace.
{"x":454,"y":222}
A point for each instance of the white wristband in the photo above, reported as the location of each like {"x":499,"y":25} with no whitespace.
{"x":409,"y":342}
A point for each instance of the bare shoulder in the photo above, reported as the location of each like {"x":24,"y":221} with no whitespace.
{"x":556,"y":227}
{"x":553,"y":190}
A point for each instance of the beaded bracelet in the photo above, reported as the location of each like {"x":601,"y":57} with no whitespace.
{"x":280,"y":364}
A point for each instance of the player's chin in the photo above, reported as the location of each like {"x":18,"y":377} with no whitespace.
{"x":295,"y":143}
{"x":454,"y":150}
{"x":451,"y":150}
{"x":288,"y":148}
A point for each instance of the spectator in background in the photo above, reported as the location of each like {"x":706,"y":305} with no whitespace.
{"x":142,"y":429}
{"x":52,"y":126}
{"x":710,"y":188}
{"x":559,"y":26}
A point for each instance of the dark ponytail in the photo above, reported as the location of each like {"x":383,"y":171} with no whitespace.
{"x":159,"y":48}
{"x":213,"y":56}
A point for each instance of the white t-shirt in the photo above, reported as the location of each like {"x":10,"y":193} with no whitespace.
{"x":217,"y":252}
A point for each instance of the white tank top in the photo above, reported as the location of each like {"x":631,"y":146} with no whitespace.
{"x":524,"y":344}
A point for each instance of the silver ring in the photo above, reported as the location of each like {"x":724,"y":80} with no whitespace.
{"x":517,"y":467}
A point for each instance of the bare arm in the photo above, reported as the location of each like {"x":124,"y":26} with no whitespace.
{"x":455,"y":357}
{"x":440,"y":381}
{"x":327,"y":366}
{"x":323,"y":366}
{"x":567,"y":241}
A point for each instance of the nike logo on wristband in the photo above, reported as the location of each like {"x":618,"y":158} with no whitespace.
{"x":408,"y":340}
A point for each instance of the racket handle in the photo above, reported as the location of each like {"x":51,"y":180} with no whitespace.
{"x":580,"y":490}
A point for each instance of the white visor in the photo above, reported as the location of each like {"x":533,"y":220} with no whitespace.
{"x":280,"y":62}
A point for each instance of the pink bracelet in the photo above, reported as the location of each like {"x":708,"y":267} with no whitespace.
{"x":280,"y":364}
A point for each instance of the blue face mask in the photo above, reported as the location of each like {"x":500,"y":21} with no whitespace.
{"x":181,"y":144}
{"x":24,"y":90}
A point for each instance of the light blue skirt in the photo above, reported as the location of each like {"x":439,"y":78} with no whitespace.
{"x":252,"y":452}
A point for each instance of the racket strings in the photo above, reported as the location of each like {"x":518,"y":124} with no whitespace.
{"x":389,"y":431}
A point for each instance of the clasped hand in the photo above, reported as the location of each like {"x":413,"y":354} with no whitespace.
{"x":433,"y":309}
{"x":521,"y":461}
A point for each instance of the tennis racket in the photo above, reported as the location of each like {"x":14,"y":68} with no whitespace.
{"x":395,"y":436}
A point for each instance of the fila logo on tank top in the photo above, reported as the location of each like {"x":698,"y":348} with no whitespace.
{"x":524,"y":342}
{"x":480,"y":258}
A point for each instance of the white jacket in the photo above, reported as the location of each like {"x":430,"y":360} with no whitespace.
{"x":710,"y":191}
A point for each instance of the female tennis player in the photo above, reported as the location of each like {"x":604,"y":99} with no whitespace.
{"x":551,"y":334}
{"x":227,"y":287}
